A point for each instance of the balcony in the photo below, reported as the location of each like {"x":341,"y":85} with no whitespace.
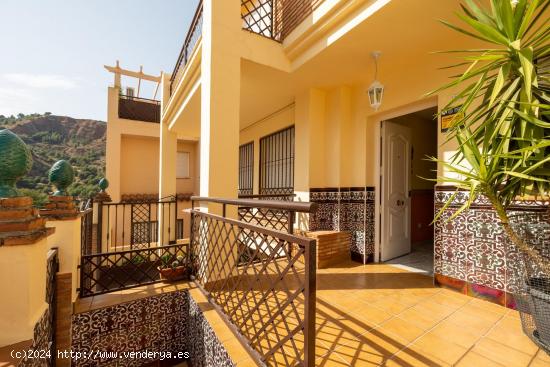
{"x":138,"y":109}
{"x":273,"y":19}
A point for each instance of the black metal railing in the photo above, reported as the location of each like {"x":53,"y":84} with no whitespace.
{"x":277,"y":162}
{"x":117,"y":270}
{"x":120,"y":244}
{"x":246,"y":168}
{"x":191,"y":39}
{"x":275,"y":19}
{"x":138,"y":109}
{"x":261,"y":279}
{"x":274,"y":218}
{"x":132,"y":224}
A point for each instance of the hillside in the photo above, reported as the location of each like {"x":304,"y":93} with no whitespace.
{"x":51,"y":138}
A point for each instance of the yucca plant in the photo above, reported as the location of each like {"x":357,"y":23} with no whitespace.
{"x":502,"y":128}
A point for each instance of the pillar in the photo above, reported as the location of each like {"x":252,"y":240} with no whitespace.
{"x":167,"y":169}
{"x":220,"y":99}
{"x":112,"y":165}
{"x":63,"y":216}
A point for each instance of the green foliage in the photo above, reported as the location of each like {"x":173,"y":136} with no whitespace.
{"x":39,"y":198}
{"x":86,"y":153}
{"x":503,"y":135}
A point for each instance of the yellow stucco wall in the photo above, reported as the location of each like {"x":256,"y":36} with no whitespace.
{"x":23,"y":290}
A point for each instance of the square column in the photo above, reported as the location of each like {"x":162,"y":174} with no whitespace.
{"x":220,"y":99}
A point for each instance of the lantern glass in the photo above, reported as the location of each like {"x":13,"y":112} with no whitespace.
{"x":376,"y":94}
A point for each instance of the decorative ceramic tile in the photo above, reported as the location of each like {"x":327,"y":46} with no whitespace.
{"x":347,"y":209}
{"x":157,"y":323}
{"x":326,"y":217}
{"x":204,"y":346}
{"x":473,"y":247}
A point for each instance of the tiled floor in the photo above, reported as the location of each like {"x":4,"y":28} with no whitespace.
{"x":372,"y":315}
{"x":421,"y":258}
{"x":384,"y":315}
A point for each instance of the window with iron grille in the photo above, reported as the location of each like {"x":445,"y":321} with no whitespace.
{"x":277,"y":162}
{"x":246,"y":168}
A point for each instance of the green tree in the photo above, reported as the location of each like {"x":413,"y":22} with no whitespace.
{"x":503,"y":136}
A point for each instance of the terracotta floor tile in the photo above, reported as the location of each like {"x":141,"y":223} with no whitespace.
{"x":500,"y":353}
{"x":465,"y":337}
{"x":420,"y":319}
{"x":513,"y":338}
{"x":543,"y":356}
{"x":373,"y":348}
{"x":472,"y":359}
{"x":403,"y":328}
{"x":472,"y":321}
{"x":444,"y":350}
{"x":414,"y":357}
{"x":370,"y":314}
{"x":331,"y":359}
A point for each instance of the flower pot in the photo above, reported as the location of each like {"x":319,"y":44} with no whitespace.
{"x":539,"y":289}
{"x":174,"y":274}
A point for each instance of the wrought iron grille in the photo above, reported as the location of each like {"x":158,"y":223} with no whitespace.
{"x":258,"y":16}
{"x":533,"y":295}
{"x":138,"y":109}
{"x":270,"y":296}
{"x":275,"y":19}
{"x":112,"y":271}
{"x":134,"y":224}
{"x":191,"y":39}
{"x":246,"y":168}
{"x":87,"y":231}
{"x":277,"y":163}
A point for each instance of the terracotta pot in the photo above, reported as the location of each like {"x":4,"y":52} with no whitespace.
{"x":173,"y":274}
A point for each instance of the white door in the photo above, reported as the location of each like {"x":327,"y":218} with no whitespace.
{"x":396,"y":207}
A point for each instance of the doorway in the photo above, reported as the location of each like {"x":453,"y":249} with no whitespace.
{"x":407,"y":194}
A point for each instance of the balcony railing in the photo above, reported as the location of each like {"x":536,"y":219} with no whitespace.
{"x":261,"y":279}
{"x":193,"y":35}
{"x":139,"y":109}
{"x":273,"y":19}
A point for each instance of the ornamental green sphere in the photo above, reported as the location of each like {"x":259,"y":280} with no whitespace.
{"x":61,"y":176}
{"x":103,"y":184}
{"x":15,"y":162}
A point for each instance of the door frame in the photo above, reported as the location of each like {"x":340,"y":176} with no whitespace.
{"x":377,"y":121}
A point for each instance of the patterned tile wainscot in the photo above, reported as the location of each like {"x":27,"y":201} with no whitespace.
{"x":165,"y":322}
{"x":349,"y":209}
{"x":471,"y":252}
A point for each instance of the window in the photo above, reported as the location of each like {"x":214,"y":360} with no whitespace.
{"x":182,"y":165}
{"x":277,"y":162}
{"x":246,"y":168}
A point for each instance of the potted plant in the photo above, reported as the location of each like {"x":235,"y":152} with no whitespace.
{"x":502,"y":128}
{"x":171,"y":271}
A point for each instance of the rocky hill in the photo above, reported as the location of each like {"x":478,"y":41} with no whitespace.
{"x":51,"y":138}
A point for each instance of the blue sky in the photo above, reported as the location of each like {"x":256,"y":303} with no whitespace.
{"x":53,"y":51}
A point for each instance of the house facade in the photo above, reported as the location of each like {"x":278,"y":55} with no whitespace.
{"x":273,"y":100}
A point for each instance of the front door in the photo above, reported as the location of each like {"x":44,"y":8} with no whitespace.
{"x":395,"y":208}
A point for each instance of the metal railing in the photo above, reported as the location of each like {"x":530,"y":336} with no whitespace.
{"x":191,"y":39}
{"x":132,"y":225}
{"x":275,"y":218}
{"x":112,"y":271}
{"x":262,"y":280}
{"x":275,"y":19}
{"x":138,"y":109}
{"x":120,"y":245}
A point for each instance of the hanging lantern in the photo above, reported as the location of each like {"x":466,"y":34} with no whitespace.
{"x":376,"y":89}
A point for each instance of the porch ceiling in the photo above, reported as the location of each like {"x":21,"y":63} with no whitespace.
{"x":405,"y":32}
{"x":187,"y":121}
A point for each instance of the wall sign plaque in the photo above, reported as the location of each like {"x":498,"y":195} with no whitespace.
{"x":449,"y":116}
